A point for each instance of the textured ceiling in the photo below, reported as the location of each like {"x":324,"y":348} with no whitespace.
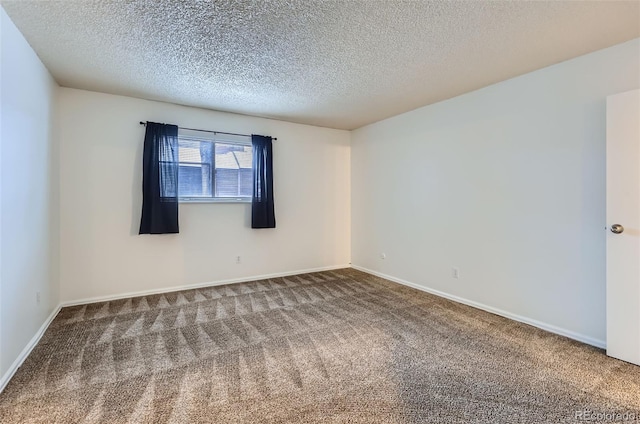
{"x":340,"y":64}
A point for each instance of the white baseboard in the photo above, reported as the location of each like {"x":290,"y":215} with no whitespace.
{"x":27,"y":349}
{"x":108,"y":298}
{"x":542,"y":325}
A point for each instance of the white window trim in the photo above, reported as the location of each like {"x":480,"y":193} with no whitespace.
{"x":214,"y":199}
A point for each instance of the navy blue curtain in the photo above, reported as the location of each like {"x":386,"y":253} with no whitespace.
{"x":262,"y":208}
{"x":160,"y":180}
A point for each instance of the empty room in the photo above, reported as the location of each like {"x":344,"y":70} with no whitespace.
{"x":319,"y":211}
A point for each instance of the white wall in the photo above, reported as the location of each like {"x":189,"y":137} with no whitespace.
{"x":28,"y":196}
{"x":101,"y":197}
{"x":507,"y":183}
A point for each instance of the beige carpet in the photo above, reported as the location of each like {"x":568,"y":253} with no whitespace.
{"x":331,"y":347}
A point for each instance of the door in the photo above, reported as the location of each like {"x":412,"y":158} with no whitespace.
{"x":623,"y":226}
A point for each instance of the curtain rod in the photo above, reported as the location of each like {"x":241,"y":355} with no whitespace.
{"x":209,"y":131}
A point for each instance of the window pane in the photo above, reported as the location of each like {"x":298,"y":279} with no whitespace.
{"x":194,"y":174}
{"x":189,"y":150}
{"x":233,"y":170}
{"x":246,"y":182}
{"x":194,"y":180}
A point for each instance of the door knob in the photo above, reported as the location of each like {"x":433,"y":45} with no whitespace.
{"x":617,"y":228}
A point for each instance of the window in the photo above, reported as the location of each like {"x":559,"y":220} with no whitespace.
{"x":215,"y":169}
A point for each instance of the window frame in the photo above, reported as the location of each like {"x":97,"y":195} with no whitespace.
{"x":214,"y":138}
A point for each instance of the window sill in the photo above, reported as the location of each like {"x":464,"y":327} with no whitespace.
{"x":215,"y":200}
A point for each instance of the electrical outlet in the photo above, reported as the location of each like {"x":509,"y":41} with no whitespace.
{"x":455,"y":273}
{"x":38,"y":297}
{"x":383,"y":256}
{"x":237,"y":259}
